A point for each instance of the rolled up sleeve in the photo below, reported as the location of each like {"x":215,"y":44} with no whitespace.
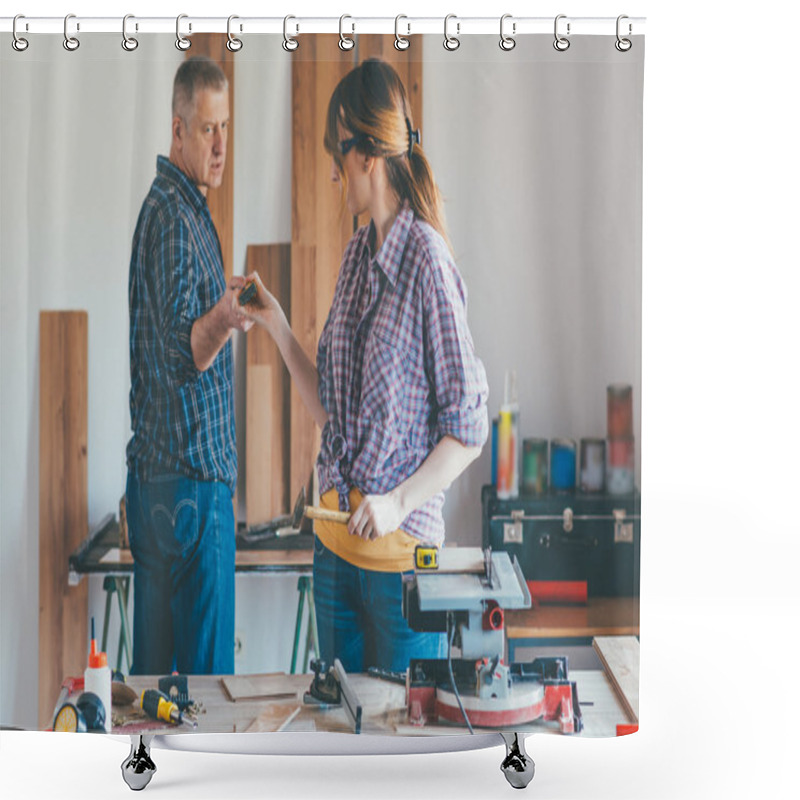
{"x":454,"y":370}
{"x":177,"y":310}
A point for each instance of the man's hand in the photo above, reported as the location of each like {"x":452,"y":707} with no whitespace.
{"x":377,"y":515}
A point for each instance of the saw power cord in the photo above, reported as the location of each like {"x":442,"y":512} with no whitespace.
{"x":451,"y":636}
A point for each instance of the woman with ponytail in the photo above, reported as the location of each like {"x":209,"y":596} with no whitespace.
{"x":397,"y":388}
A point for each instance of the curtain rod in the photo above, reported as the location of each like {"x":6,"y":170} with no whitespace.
{"x":406,"y":26}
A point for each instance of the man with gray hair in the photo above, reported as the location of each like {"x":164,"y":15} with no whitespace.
{"x":182,"y":454}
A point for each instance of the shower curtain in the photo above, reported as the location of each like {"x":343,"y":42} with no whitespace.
{"x":509,"y":326}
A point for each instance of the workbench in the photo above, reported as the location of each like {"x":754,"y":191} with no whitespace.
{"x":563,"y":625}
{"x":383,"y":702}
{"x":100,"y":554}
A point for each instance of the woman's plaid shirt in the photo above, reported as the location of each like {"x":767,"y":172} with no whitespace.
{"x":397,"y":367}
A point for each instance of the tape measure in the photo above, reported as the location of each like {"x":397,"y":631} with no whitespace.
{"x":69,"y":720}
{"x":426,"y":557}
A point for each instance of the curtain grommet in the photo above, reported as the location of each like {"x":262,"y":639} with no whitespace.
{"x":129,"y":43}
{"x":561,"y":43}
{"x":345,"y":42}
{"x":623,"y":44}
{"x":18,"y":42}
{"x":71,"y":43}
{"x":290,"y":44}
{"x":451,"y":43}
{"x":401,"y":42}
{"x":181,"y":42}
{"x":507,"y":42}
{"x":233,"y":44}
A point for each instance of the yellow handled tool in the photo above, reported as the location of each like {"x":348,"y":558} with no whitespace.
{"x":158,"y":706}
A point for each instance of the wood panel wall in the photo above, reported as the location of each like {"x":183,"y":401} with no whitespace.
{"x":63,"y":500}
{"x":220,"y":200}
{"x":321,"y":227}
{"x":268,"y":442}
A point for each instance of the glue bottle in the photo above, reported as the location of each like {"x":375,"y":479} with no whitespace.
{"x":97,"y":678}
{"x":508,"y":441}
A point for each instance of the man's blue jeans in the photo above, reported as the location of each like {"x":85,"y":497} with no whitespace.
{"x":360,"y":619}
{"x":182,"y":538}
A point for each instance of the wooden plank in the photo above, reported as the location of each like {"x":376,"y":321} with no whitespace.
{"x":304,"y":433}
{"x":63,"y":500}
{"x":267,"y":448}
{"x":258,"y":687}
{"x":601,"y":616}
{"x":620,"y":658}
{"x":244,"y":558}
{"x":407,"y":63}
{"x":321,"y":226}
{"x":220,"y":200}
{"x":275,"y":717}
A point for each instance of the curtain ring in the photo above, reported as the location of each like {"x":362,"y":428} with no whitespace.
{"x":129,"y":43}
{"x":18,"y":43}
{"x":70,"y":42}
{"x":623,"y":45}
{"x":400,"y":42}
{"x":451,"y":43}
{"x":233,"y":44}
{"x":561,"y":43}
{"x":345,"y":42}
{"x":181,"y":42}
{"x":289,"y":43}
{"x":507,"y":42}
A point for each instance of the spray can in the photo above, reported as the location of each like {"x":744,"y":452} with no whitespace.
{"x":508,"y":451}
{"x":97,"y":678}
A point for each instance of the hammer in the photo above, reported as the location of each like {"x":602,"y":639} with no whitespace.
{"x":314,"y":512}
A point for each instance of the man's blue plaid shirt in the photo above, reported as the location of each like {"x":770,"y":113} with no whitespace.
{"x":182,"y":419}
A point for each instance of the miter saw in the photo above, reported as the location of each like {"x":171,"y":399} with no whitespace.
{"x":464,"y":595}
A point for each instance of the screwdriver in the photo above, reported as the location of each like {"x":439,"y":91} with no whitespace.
{"x":157,"y":705}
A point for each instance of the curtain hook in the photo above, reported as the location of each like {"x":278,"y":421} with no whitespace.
{"x":451,"y":42}
{"x":561,"y":43}
{"x":181,"y":42}
{"x":71,"y":43}
{"x":623,"y":45}
{"x":129,"y":43}
{"x":400,"y":42}
{"x":507,"y":42}
{"x":233,"y":44}
{"x":345,"y":42}
{"x":290,"y":44}
{"x":18,"y":43}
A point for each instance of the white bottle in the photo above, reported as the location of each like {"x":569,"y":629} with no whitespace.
{"x":97,"y":678}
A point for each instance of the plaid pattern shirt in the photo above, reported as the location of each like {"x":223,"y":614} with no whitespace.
{"x":397,"y":367}
{"x":182,"y":419}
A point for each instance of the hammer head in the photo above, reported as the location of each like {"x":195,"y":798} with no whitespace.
{"x":299,"y":508}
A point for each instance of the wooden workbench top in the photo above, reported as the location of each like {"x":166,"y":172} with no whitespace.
{"x":384,"y":709}
{"x":601,"y":616}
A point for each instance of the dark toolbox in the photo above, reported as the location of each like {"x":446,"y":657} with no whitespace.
{"x":569,"y":536}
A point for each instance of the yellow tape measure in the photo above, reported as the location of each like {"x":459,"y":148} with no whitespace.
{"x":426,"y":557}
{"x":69,"y":720}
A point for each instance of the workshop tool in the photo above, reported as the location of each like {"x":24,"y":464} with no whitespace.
{"x":158,"y":706}
{"x":478,"y":688}
{"x":331,"y":688}
{"x":426,"y":557}
{"x":86,"y":714}
{"x":301,"y":510}
{"x":176,"y":688}
{"x":248,"y":293}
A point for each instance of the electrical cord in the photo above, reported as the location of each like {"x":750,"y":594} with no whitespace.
{"x":451,"y":636}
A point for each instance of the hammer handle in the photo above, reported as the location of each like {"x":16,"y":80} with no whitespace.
{"x":327,"y":514}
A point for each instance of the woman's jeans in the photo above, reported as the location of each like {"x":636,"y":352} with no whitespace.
{"x":360,"y":619}
{"x":182,"y":538}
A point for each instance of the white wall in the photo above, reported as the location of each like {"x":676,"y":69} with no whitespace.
{"x":516,"y":146}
